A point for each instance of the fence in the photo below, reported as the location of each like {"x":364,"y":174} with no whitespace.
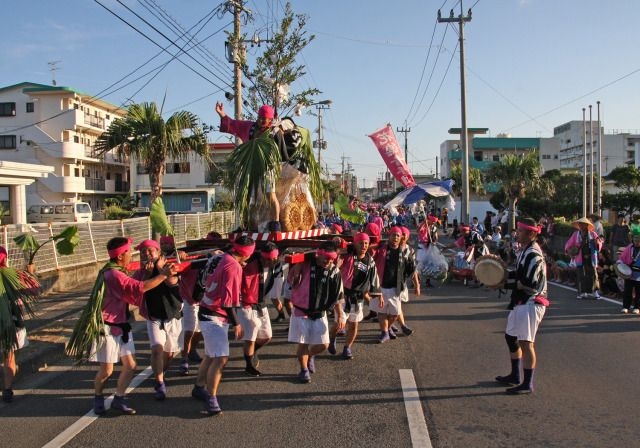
{"x":94,"y":236}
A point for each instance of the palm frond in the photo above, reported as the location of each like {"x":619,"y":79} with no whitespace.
{"x":158,"y":217}
{"x":18,"y":292}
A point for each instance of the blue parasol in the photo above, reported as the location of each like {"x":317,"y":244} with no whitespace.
{"x":411,"y":195}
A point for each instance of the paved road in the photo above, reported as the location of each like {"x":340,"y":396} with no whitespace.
{"x":586,"y":388}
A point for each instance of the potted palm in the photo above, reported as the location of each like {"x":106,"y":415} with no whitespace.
{"x":66,"y":242}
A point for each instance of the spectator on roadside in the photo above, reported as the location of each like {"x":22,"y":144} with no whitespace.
{"x":619,"y":237}
{"x":584,"y":245}
{"x":631,"y":257}
{"x":596,"y":220}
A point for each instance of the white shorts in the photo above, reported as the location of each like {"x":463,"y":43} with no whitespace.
{"x":254,"y":326}
{"x":190,"y":317}
{"x":356,"y":313}
{"x":276,"y":290}
{"x":303,"y":330}
{"x":523,"y":321}
{"x":110,"y":349}
{"x":21,"y":337}
{"x":215,"y":333}
{"x":392,"y":304}
{"x":404,"y":295}
{"x":167,"y":338}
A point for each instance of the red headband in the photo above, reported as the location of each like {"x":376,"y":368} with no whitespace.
{"x":244,"y":251}
{"x":395,"y":229}
{"x":333,"y":255}
{"x":148,"y":243}
{"x":361,"y":237}
{"x":337,"y":228}
{"x":524,"y":226}
{"x":405,"y":231}
{"x":271,"y":255}
{"x":113,"y":253}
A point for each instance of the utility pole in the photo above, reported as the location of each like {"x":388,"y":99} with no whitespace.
{"x":237,"y":59}
{"x":584,"y":162}
{"x":591,"y":159}
{"x":599,"y":199}
{"x":461,"y":19}
{"x":321,"y":143}
{"x":405,"y":131}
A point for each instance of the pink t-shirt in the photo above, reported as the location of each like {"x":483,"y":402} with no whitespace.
{"x":223,"y":286}
{"x":120,"y":290}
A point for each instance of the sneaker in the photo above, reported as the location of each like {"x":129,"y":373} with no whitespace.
{"x":346,"y":353}
{"x":213,"y":408}
{"x":120,"y":404}
{"x":519,"y":390}
{"x":199,"y":393}
{"x":370,"y":316}
{"x":508,"y":379}
{"x":392,"y":334}
{"x":393,"y":328}
{"x":406,"y":330}
{"x":184,"y":368}
{"x":596,"y":295}
{"x":304,"y":376}
{"x":625,"y":311}
{"x":635,"y":311}
{"x":98,"y":405}
{"x":332,"y":346}
{"x":255,"y":360}
{"x":7,"y":395}
{"x":581,"y":296}
{"x":252,"y":371}
{"x":195,"y":357}
{"x":311,"y":364}
{"x":384,"y":337}
{"x":160,"y":391}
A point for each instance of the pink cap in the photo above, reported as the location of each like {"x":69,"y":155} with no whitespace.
{"x":337,"y":228}
{"x":266,"y":111}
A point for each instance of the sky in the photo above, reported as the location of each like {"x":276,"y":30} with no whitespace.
{"x":531,"y":65}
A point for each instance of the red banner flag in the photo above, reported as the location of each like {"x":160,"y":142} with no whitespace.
{"x":387,"y":144}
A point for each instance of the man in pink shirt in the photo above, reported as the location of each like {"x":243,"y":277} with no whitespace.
{"x":117,"y":341}
{"x":316,"y":286}
{"x":216,"y":312}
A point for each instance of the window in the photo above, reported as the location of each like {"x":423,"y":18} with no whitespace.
{"x":7,"y":109}
{"x":496,"y":158}
{"x":546,"y":156}
{"x":477,"y":156}
{"x":30,"y":108}
{"x":140,"y":169}
{"x":174,"y":168}
{"x":108,"y":117}
{"x":555,"y":157}
{"x":7,"y":142}
{"x":76,"y":139}
{"x":196,"y":200}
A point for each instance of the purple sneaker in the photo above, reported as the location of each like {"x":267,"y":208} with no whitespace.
{"x":346,"y":353}
{"x":392,"y":334}
{"x":384,"y":337}
{"x":98,"y":405}
{"x":406,"y":330}
{"x":184,"y":368}
{"x":311,"y":365}
{"x":7,"y":395}
{"x":213,"y":408}
{"x":304,"y":376}
{"x":160,"y":391}
{"x":199,"y":393}
{"x":120,"y":403}
{"x":332,"y":346}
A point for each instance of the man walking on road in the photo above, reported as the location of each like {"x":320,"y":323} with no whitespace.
{"x":528,"y":305}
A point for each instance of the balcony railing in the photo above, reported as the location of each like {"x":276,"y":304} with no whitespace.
{"x":94,"y":184}
{"x":122,"y":187}
{"x":96,"y":122}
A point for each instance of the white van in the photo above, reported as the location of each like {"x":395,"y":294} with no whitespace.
{"x":60,"y":212}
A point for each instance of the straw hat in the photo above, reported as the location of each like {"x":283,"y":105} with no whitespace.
{"x":576,"y":224}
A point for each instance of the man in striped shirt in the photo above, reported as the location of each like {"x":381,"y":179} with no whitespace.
{"x":528,"y":305}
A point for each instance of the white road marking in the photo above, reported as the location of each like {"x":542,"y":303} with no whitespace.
{"x":415,"y":416}
{"x":606,"y":299}
{"x":68,"y":434}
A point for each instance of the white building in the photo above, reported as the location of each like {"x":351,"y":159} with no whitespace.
{"x":57,"y":127}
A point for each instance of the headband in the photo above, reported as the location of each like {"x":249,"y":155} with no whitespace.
{"x":244,"y":251}
{"x":405,"y":231}
{"x":266,"y":111}
{"x":337,"y":228}
{"x":148,"y":243}
{"x":524,"y":226}
{"x":271,"y":255}
{"x":114,"y":253}
{"x":361,"y":237}
{"x":465,"y":228}
{"x":331,"y":255}
{"x":395,"y":229}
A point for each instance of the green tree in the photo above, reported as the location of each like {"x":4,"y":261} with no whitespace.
{"x":149,"y":140}
{"x":276,"y":69}
{"x":560,"y":202}
{"x":627,"y":200}
{"x":476,"y":180}
{"x":518,"y":175}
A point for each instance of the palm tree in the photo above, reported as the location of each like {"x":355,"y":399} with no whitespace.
{"x":476,"y":183}
{"x":145,"y":136}
{"x":518,"y":175}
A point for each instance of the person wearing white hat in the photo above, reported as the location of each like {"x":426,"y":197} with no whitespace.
{"x":584,"y":246}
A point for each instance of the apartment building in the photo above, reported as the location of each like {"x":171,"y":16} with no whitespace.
{"x":57,"y":126}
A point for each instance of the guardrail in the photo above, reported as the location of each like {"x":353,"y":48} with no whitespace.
{"x":94,"y":236}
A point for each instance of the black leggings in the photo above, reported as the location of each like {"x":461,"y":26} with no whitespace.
{"x":631,"y":293}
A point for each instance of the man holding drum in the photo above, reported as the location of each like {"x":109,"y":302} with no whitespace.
{"x":631,"y":257}
{"x":528,"y":305}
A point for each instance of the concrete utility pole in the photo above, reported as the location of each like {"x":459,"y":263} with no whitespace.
{"x":320,"y":106}
{"x":405,"y":131}
{"x":599,"y":199}
{"x":591,"y":195}
{"x":237,"y":60}
{"x":464,"y":140}
{"x":584,"y":162}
